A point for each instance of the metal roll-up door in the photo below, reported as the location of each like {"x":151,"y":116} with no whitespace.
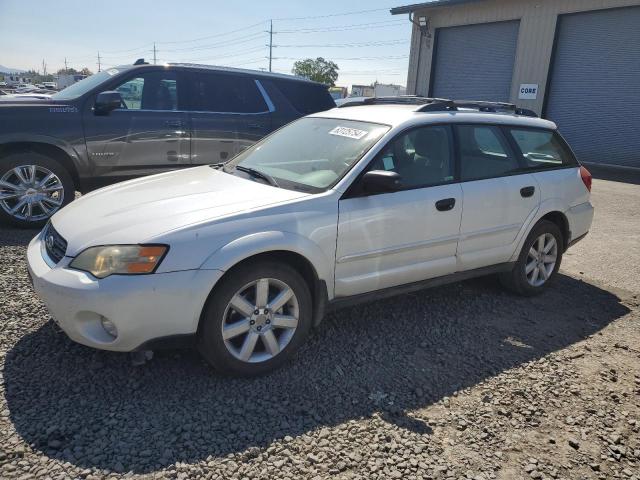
{"x":594,"y":92}
{"x":475,"y":62}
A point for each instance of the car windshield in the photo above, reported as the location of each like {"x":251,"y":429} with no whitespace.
{"x":83,"y":86}
{"x":310,"y":154}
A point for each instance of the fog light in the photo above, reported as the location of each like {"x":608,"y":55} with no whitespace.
{"x":109,"y":327}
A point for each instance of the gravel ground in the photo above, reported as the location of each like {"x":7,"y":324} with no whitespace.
{"x":463,"y":381}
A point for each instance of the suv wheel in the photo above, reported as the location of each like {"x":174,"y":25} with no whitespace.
{"x":538,"y":262}
{"x":257,"y":317}
{"x":32,"y":188}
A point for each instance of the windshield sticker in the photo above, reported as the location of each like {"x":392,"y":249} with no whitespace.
{"x":112,"y":71}
{"x":348,"y":132}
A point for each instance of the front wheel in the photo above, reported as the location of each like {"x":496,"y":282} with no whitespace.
{"x":32,"y":188}
{"x":255,"y":319}
{"x":539,"y":261}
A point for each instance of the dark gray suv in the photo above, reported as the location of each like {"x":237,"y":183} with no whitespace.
{"x":137,"y":120}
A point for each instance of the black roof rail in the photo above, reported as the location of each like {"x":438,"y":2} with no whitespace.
{"x":440,"y":105}
{"x":427,"y":104}
{"x":140,"y":61}
{"x":398,"y":100}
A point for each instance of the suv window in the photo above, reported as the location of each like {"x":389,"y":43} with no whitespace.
{"x":306,"y":98}
{"x":422,"y":157}
{"x":484,"y":153}
{"x":150,"y":91}
{"x":226,"y":93}
{"x":542,"y":148}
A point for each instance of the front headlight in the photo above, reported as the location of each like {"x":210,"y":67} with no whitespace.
{"x":120,"y":259}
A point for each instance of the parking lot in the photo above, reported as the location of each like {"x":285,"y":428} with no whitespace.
{"x":461,"y":381}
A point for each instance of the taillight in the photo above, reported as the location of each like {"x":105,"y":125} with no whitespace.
{"x":586,"y":177}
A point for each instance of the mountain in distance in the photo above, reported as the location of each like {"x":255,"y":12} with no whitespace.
{"x":4,"y":69}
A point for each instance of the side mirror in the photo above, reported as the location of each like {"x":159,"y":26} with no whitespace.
{"x":106,"y":102}
{"x":381,"y":181}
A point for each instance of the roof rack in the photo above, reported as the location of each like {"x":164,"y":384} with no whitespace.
{"x":398,"y":100}
{"x":442,"y":104}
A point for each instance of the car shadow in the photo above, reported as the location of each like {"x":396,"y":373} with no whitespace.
{"x":388,"y":358}
{"x":11,"y":236}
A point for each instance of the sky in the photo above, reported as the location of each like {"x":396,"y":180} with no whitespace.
{"x":371,"y":45}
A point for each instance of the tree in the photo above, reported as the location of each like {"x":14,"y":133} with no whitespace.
{"x":318,"y":70}
{"x":86,"y":71}
{"x":67,"y":71}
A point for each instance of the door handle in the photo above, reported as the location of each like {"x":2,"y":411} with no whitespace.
{"x":445,"y":204}
{"x":526,"y":192}
{"x":174,"y":123}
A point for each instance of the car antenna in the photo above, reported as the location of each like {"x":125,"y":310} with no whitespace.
{"x":140,"y":61}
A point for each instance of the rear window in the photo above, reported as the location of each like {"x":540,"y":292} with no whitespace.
{"x":226,"y":93}
{"x":306,"y":98}
{"x":542,"y":148}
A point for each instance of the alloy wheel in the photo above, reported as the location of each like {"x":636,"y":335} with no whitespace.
{"x":260,"y":320}
{"x":31,"y":193}
{"x":541,"y":259}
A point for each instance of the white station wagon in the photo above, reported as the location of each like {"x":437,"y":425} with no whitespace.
{"x":354,"y":203}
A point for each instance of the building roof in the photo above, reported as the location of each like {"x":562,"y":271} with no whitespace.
{"x":426,"y":5}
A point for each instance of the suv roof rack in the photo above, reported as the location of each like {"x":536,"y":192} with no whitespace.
{"x":439,"y":105}
{"x":443,"y":104}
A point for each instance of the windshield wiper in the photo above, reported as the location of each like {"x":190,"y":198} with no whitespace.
{"x":258,"y":174}
{"x":217,"y":165}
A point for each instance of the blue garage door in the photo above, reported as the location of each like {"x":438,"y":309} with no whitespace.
{"x":594,"y":94}
{"x":475,"y":62}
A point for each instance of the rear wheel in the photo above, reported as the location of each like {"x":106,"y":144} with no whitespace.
{"x":539,"y":261}
{"x":254,"y":321}
{"x":32,"y":188}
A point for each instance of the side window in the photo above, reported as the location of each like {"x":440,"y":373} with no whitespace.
{"x":484,"y":153}
{"x":150,"y":91}
{"x":306,"y":98}
{"x":226,"y":93}
{"x":422,"y":157}
{"x":541,"y":148}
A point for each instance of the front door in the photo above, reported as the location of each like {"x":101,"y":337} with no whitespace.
{"x":498,"y":198}
{"x":228,"y":114}
{"x":148,"y":134}
{"x":406,"y":236}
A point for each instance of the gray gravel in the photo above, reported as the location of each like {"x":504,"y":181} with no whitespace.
{"x":464,"y":381}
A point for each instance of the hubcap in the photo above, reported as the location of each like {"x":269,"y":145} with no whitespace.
{"x":541,"y":259}
{"x":260,"y":320}
{"x":31,"y":193}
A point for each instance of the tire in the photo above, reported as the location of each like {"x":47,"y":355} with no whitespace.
{"x":519,"y":280}
{"x":229,"y":356}
{"x":42,"y":201}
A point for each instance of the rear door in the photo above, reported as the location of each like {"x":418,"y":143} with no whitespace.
{"x":228,"y":113}
{"x":499,"y":197}
{"x":148,"y":134}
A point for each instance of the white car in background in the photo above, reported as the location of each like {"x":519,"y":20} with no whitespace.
{"x":346,"y":205}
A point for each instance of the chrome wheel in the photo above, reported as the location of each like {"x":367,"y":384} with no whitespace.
{"x":260,"y":320}
{"x":31,"y":193}
{"x":541,"y":259}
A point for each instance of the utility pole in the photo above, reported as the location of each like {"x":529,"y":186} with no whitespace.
{"x":270,"y":43}
{"x":98,"y":61}
{"x":154,"y":53}
{"x":66,"y":69}
{"x":44,"y":68}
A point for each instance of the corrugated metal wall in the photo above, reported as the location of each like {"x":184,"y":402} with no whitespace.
{"x":594,"y":93}
{"x":475,"y":62}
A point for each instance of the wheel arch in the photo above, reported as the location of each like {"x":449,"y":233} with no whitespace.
{"x":53,"y":151}
{"x":560,"y":219}
{"x":301,"y":253}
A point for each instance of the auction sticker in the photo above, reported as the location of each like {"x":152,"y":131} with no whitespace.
{"x":348,"y":132}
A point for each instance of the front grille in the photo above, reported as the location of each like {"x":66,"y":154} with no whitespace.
{"x":54,"y":244}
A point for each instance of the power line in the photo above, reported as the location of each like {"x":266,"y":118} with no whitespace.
{"x":216,"y":35}
{"x":211,"y":46}
{"x":344,"y":45}
{"x":343,"y":28}
{"x":332,"y":14}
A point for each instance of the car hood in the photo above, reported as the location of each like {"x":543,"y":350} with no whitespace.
{"x":139,"y":210}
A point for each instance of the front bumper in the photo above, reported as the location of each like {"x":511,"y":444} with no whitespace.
{"x":142,"y":307}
